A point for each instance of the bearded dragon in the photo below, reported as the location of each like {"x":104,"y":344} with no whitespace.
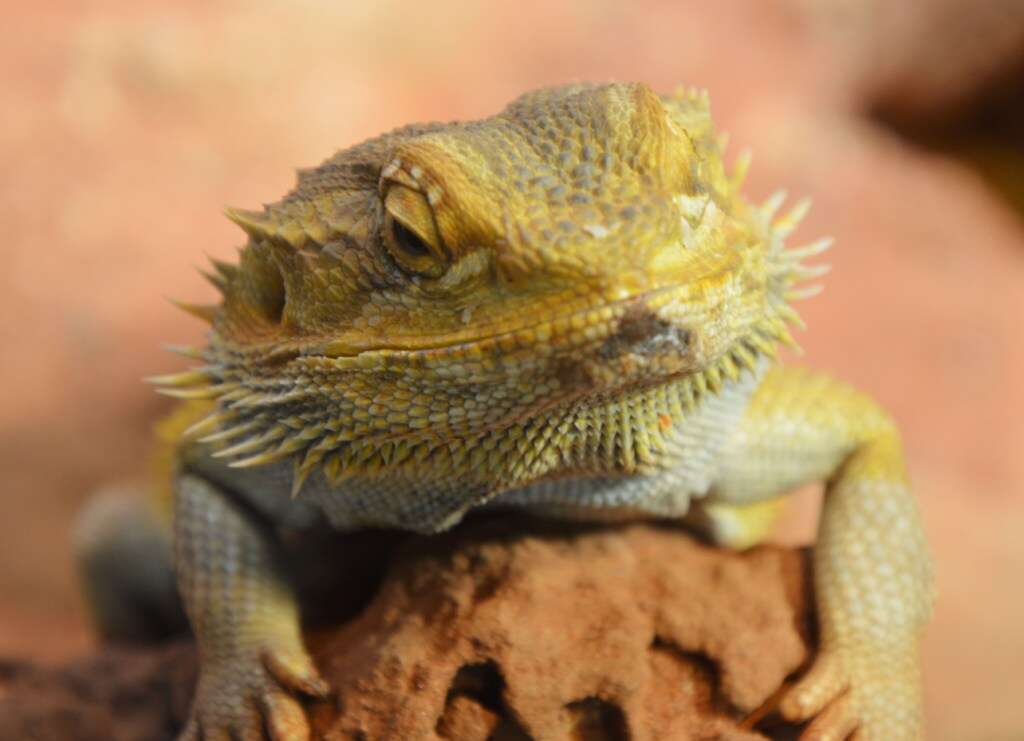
{"x":568,"y":307}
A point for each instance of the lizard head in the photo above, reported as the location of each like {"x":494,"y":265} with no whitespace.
{"x":459,"y":278}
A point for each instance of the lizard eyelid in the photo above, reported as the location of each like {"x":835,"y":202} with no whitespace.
{"x":410,"y":233}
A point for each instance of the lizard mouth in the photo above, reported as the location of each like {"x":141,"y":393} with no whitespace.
{"x":648,"y":322}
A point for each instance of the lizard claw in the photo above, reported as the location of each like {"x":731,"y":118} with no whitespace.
{"x":296,"y":672}
{"x":247,"y":699}
{"x":808,"y":697}
{"x":835,"y":723}
{"x":871,"y":692}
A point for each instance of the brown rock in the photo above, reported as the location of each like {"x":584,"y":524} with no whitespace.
{"x":506,"y":629}
{"x":118,"y":695}
{"x":465,"y":718}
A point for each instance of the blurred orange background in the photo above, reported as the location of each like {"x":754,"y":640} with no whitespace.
{"x":127,"y":126}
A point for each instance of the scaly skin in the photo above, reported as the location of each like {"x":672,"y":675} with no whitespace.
{"x":567,"y":307}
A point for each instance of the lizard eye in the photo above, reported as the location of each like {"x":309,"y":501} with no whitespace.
{"x":406,"y":240}
{"x":410,"y":233}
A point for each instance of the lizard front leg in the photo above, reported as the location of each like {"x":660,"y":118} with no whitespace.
{"x":872,"y":569}
{"x":244,"y":614}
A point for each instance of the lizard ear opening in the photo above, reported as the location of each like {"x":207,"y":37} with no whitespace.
{"x":410,"y":233}
{"x":274,"y":296}
{"x":263,"y":286}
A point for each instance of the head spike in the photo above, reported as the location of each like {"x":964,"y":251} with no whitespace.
{"x":192,"y":377}
{"x":810,"y":272}
{"x":206,"y":312}
{"x":771,"y":205}
{"x":764,"y":346}
{"x":799,"y":294}
{"x":402,"y":452}
{"x":202,"y":392}
{"x":257,"y":225}
{"x":185,"y":351}
{"x":713,"y":378}
{"x":299,"y":476}
{"x":744,"y":356}
{"x":214,"y":279}
{"x":332,"y":469}
{"x":701,"y":382}
{"x":290,"y":445}
{"x":740,"y":169}
{"x":304,"y":467}
{"x":260,"y":459}
{"x":229,"y":432}
{"x":207,"y":424}
{"x":238,"y":392}
{"x":328,"y":442}
{"x":789,"y":315}
{"x":787,"y":223}
{"x":249,"y":399}
{"x":226,"y":270}
{"x":688,"y":393}
{"x":810,"y":250}
{"x":787,"y":339}
{"x":729,"y":367}
{"x":256,"y":442}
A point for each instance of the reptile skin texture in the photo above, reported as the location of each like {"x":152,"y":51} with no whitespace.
{"x":568,"y":307}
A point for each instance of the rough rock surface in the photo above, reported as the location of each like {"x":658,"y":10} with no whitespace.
{"x":506,"y":629}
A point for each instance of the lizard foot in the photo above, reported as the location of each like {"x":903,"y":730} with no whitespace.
{"x":250,"y":699}
{"x":864,"y":693}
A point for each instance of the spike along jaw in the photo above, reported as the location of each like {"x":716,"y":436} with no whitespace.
{"x":746,"y":298}
{"x":248,"y":339}
{"x":783,"y":270}
{"x":787,"y":271}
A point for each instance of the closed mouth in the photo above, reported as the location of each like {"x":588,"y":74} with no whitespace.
{"x":592,"y":324}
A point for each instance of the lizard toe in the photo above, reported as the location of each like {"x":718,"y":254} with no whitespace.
{"x":816,"y":689}
{"x":252,"y":700}
{"x":295,"y":671}
{"x":835,"y":723}
{"x":285,"y":718}
{"x":869,"y":691}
